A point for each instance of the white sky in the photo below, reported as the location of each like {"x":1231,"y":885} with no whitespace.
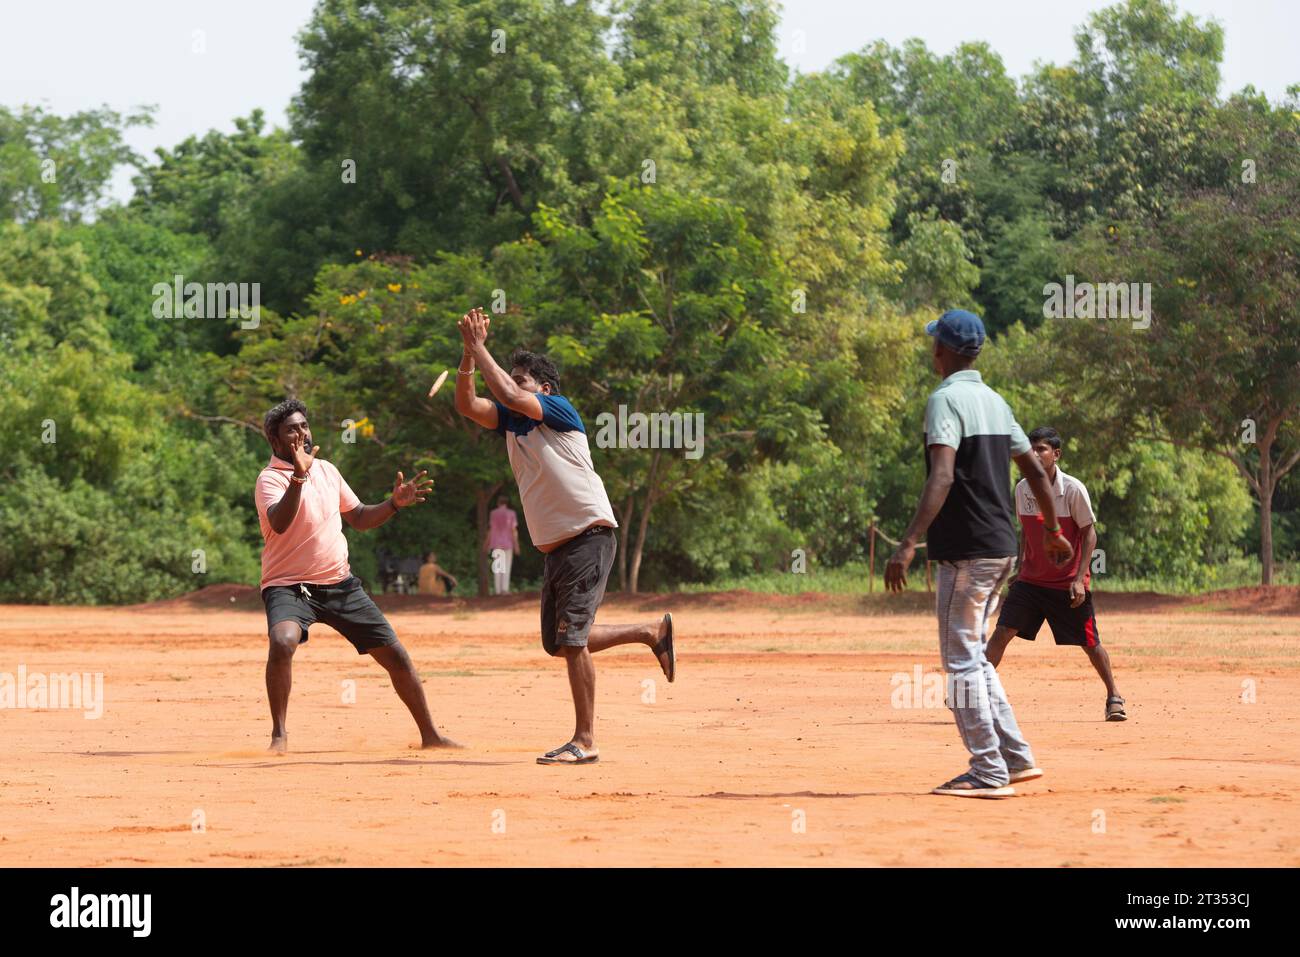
{"x":71,"y":55}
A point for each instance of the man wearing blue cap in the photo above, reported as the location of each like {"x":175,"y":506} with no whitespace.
{"x":965,"y":512}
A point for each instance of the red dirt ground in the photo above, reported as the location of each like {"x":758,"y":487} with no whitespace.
{"x":777,"y":745}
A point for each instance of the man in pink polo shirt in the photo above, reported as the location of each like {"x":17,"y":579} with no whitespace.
{"x":305,"y":573}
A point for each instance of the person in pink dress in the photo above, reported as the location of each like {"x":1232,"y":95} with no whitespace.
{"x":502,"y":544}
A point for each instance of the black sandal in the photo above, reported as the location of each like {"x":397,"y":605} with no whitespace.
{"x":580,"y":756}
{"x":666,"y":644}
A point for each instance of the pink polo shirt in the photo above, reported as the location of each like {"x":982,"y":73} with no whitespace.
{"x":502,"y":523}
{"x":312,"y":550}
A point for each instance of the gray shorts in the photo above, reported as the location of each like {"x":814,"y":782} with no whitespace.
{"x":343,"y":606}
{"x":573,"y":584}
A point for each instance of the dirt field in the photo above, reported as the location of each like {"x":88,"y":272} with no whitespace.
{"x":777,"y":745}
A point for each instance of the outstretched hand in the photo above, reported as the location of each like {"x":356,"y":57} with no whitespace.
{"x":413,"y":492}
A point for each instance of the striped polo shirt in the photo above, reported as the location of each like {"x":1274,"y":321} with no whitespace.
{"x":976,"y":519}
{"x":561,"y":493}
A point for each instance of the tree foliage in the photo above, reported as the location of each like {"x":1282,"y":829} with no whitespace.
{"x":645,"y":191}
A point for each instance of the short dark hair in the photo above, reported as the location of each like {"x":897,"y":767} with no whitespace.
{"x":278,"y":413}
{"x":1045,"y":433}
{"x":538,"y":366}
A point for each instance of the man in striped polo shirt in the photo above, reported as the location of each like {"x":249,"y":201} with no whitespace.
{"x":1057,"y":594}
{"x":965,"y":512}
{"x":568,"y":514}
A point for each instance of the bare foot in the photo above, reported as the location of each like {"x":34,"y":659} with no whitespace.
{"x":279,"y":744}
{"x":441,"y":742}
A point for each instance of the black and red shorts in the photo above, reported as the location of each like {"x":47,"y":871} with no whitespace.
{"x":1027,"y":606}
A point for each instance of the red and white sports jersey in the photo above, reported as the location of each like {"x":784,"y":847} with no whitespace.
{"x":1074,"y":512}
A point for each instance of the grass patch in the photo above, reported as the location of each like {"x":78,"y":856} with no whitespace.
{"x":1243,"y":572}
{"x":852,"y":579}
{"x":849,"y":579}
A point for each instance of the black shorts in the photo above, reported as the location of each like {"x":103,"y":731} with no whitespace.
{"x":344,"y":606}
{"x":573,"y":584}
{"x":1028,"y":605}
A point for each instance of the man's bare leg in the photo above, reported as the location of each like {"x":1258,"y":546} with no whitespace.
{"x":1002,"y":636}
{"x":284,"y":636}
{"x":582,"y":673}
{"x":1101,"y":661}
{"x":406,"y":682}
{"x":601,"y":637}
{"x":582,"y":684}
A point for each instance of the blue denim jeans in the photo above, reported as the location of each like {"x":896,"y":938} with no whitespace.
{"x":967,"y":600}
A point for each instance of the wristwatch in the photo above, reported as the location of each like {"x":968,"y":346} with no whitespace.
{"x":300,"y":481}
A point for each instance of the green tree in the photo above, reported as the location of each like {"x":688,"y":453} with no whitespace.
{"x":104,"y":495}
{"x":127,"y":257}
{"x":61,"y":167}
{"x":951,"y":111}
{"x":1217,"y":368}
{"x":195,"y":187}
{"x":1164,"y":511}
{"x":48,"y":293}
{"x":458,"y":116}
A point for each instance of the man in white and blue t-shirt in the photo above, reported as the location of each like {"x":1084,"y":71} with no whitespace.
{"x":965,"y":514}
{"x":568,"y":515}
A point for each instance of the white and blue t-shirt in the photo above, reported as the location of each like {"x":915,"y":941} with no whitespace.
{"x":561,"y":493}
{"x":976,"y":519}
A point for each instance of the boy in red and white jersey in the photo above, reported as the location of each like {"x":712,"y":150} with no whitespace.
{"x":1057,"y":594}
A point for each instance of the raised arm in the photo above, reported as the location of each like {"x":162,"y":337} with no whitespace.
{"x":280,"y":515}
{"x":474,"y":327}
{"x":468,"y":402}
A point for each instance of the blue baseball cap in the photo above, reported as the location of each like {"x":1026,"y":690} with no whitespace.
{"x":959,"y":330}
